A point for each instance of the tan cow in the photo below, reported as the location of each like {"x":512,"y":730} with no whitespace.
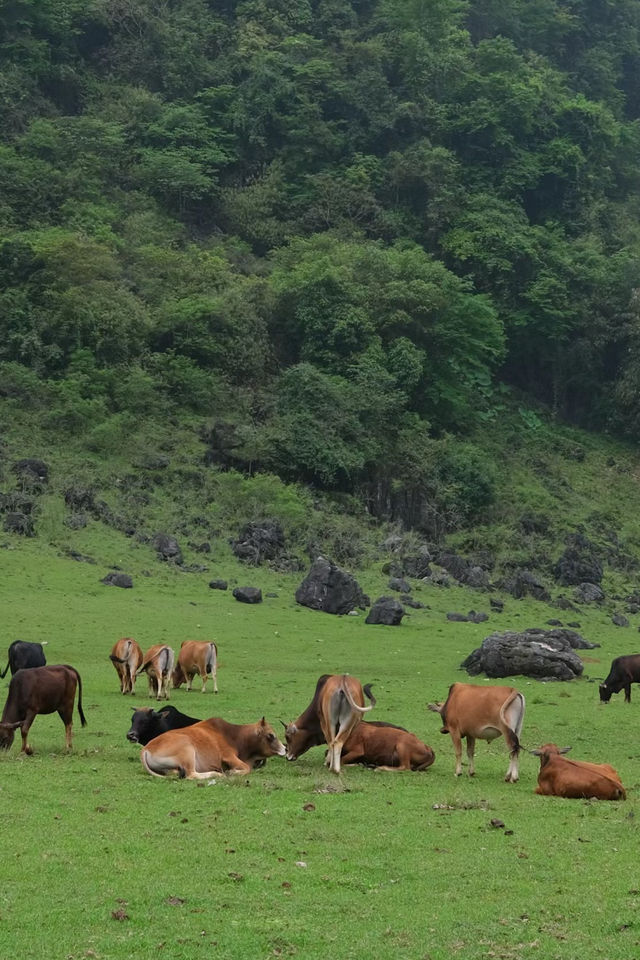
{"x":158,"y":665}
{"x":575,"y":779}
{"x":126,"y":656}
{"x":209,"y":747}
{"x":196,"y":656}
{"x":386,"y":747}
{"x":482,"y":713}
{"x":331,"y":717}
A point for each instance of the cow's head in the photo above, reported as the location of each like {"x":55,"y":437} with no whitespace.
{"x":439,"y":708}
{"x":7,"y":732}
{"x":264,"y":743}
{"x":178,"y":677}
{"x":145,"y":725}
{"x":605,"y":692}
{"x":547,"y":751}
{"x":297,"y":739}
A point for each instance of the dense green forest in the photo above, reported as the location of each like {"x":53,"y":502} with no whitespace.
{"x":345,"y":234}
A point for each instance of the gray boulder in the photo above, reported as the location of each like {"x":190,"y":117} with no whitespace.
{"x":619,"y":620}
{"x":588,"y":593}
{"x":19,"y":523}
{"x":31,"y":471}
{"x":167,"y":547}
{"x":330,"y":589}
{"x":115,"y":579}
{"x":76,"y":521}
{"x":525,"y":584}
{"x":542,"y":654}
{"x":218,"y":584}
{"x":259,"y":541}
{"x":464,"y":571}
{"x":387,"y":611}
{"x":579,"y":563}
{"x":248,"y":594}
{"x":400,"y":585}
{"x":454,"y":617}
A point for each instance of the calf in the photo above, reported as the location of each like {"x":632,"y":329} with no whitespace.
{"x":126,"y":656}
{"x":158,"y":665}
{"x":624,"y":671}
{"x":331,"y":717}
{"x":196,"y":656}
{"x":23,"y":656}
{"x":209,"y":747}
{"x":146,"y":724}
{"x":40,"y":690}
{"x":386,"y":747}
{"x":575,"y":779}
{"x":482,"y":713}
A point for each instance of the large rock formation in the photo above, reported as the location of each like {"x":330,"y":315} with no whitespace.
{"x":329,"y":588}
{"x":543,"y":654}
{"x":386,"y":610}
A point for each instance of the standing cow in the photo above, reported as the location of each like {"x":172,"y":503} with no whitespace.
{"x":126,"y":656}
{"x":624,"y":671}
{"x":40,"y":690}
{"x":331,"y":717}
{"x":23,"y":655}
{"x":482,"y":713}
{"x":196,"y":657}
{"x":158,"y":665}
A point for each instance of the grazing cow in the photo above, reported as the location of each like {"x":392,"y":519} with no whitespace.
{"x":40,"y":690}
{"x":331,"y":717}
{"x":482,"y":713}
{"x":23,"y":656}
{"x":386,"y":747}
{"x":158,"y":664}
{"x":127,"y":658}
{"x":210,"y":747}
{"x":575,"y":779}
{"x":196,"y":656}
{"x":146,"y":724}
{"x":624,"y":671}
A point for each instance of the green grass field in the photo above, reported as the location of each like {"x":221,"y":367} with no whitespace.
{"x":101,"y":860}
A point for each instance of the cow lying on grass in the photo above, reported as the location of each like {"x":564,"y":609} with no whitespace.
{"x":40,"y":690}
{"x":146,"y":723}
{"x":482,"y":713}
{"x":386,"y":747}
{"x":210,"y":747}
{"x":574,"y":779}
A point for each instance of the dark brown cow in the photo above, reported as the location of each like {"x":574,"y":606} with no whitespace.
{"x":574,"y":779}
{"x":126,"y":656}
{"x":209,"y":747}
{"x":336,"y":709}
{"x":624,"y":671}
{"x":482,"y":713}
{"x":196,"y":656}
{"x":386,"y":747}
{"x":40,"y":690}
{"x":158,"y":664}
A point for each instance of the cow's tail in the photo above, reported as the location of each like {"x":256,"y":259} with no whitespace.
{"x":4,"y":672}
{"x":116,"y":659}
{"x":212,"y":659}
{"x":369,"y":695}
{"x":513,"y":733}
{"x":353,"y":704}
{"x":82,"y":717}
{"x":145,"y":764}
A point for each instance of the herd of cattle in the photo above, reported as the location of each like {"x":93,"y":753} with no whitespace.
{"x":173,"y":742}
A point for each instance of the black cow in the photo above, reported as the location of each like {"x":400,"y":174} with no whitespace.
{"x":147,"y":723}
{"x":24,"y":655}
{"x":624,"y":671}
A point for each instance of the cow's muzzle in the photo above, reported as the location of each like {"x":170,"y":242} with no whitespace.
{"x":132,"y":737}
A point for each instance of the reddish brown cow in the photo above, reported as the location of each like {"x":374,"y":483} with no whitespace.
{"x":482,"y":713}
{"x":158,"y":664}
{"x":126,"y":656}
{"x":386,"y":747}
{"x":575,"y":779}
{"x":196,"y":656}
{"x":331,"y":717}
{"x":209,"y":747}
{"x":40,"y":690}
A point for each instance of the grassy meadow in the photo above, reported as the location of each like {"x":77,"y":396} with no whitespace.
{"x":101,"y":860}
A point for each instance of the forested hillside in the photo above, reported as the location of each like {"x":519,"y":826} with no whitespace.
{"x":340,"y":238}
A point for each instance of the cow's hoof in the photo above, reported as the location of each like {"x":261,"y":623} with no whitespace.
{"x":28,"y":750}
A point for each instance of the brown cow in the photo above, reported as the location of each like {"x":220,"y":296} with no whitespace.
{"x":483,"y":713}
{"x":386,"y":747}
{"x":158,"y":664}
{"x":331,"y":717}
{"x":196,"y":656}
{"x":209,"y":747}
{"x":40,"y":690}
{"x":575,"y":779}
{"x":126,"y":656}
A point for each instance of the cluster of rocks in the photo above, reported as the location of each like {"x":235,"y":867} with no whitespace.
{"x":264,"y":542}
{"x":17,"y":506}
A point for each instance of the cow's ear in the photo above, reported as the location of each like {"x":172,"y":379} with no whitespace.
{"x":564,"y":750}
{"x":263,"y":722}
{"x":164,"y":714}
{"x":436,"y":707}
{"x":155,"y":714}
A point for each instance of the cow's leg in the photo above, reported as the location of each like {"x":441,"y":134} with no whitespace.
{"x":203,"y":677}
{"x":627,"y":692}
{"x":214,"y":674}
{"x":513,"y":775}
{"x":352,"y":756}
{"x":66,"y":717}
{"x":457,"y":749}
{"x":335,"y":753}
{"x":152,"y":689}
{"x":189,"y":679}
{"x":24,"y":730}
{"x":471,"y":746}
